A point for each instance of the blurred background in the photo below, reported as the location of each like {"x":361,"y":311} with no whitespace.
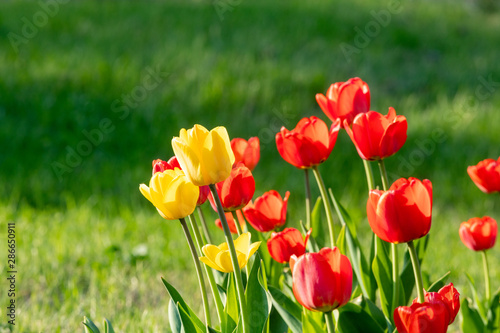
{"x":92,"y":91}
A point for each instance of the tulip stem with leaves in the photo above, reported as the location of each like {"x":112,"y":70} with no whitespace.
{"x":326,"y":203}
{"x":204,"y":225}
{"x":394,"y":250}
{"x":486,"y":277}
{"x":330,"y":323}
{"x":308,"y":199}
{"x":234,"y":258}
{"x":213,"y":286}
{"x":197,"y":264}
{"x":417,"y":271}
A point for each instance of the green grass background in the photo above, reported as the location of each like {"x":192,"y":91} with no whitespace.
{"x":90,"y":244}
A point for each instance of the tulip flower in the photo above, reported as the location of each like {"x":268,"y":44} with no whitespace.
{"x":236,"y":191}
{"x":282,"y":245}
{"x":230,"y":221}
{"x":432,"y":316}
{"x":322,"y":281}
{"x":309,"y":143}
{"x":403,"y":213}
{"x":172,"y":163}
{"x":268,"y":212}
{"x":377,"y":136}
{"x":205,"y":156}
{"x":479,"y":234}
{"x":486,"y":175}
{"x":345,"y":100}
{"x":171,"y":193}
{"x":218,"y":257}
{"x":247,"y":152}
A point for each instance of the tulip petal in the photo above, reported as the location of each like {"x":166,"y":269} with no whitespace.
{"x":253,"y":248}
{"x":242,"y":243}
{"x":145,"y":192}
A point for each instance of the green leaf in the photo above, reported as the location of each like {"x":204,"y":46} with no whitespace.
{"x":312,"y":321}
{"x":439,"y":283}
{"x":494,"y":313}
{"x":174,"y":294}
{"x":174,"y":318}
{"x":382,"y":270}
{"x":373,"y":310}
{"x":471,"y":320}
{"x":317,"y":226}
{"x":353,"y":319}
{"x":276,"y":323}
{"x":258,"y":302}
{"x":108,"y":328}
{"x":231,"y":309}
{"x":341,"y":240}
{"x":312,"y":245}
{"x":288,"y":310}
{"x":90,"y":327}
{"x":187,"y":321}
{"x":360,"y":266}
{"x":477,"y":299}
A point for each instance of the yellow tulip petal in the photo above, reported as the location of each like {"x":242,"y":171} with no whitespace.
{"x":242,"y":259}
{"x":223,"y":247}
{"x":210,"y":251}
{"x":208,"y":262}
{"x":221,"y":131}
{"x":189,"y":160}
{"x":218,"y":160}
{"x":145,"y":192}
{"x":223,"y":260}
{"x":242,"y":243}
{"x":254,"y":247}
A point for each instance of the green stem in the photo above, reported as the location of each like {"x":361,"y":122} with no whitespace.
{"x":204,"y":225}
{"x":486,"y":277}
{"x":369,"y":175}
{"x":416,"y":271}
{"x":330,"y":323}
{"x":326,"y":203}
{"x":383,"y":175}
{"x":245,"y":222}
{"x":234,"y":258}
{"x":208,"y":271}
{"x":196,"y":260}
{"x":308,"y":200}
{"x":394,"y":250}
{"x":237,"y":224}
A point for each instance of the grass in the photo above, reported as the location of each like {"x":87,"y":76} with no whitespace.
{"x":82,"y":231}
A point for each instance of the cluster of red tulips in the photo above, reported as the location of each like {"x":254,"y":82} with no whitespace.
{"x":355,"y":292}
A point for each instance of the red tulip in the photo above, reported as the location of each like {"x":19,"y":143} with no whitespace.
{"x":247,"y":152}
{"x":237,"y":190}
{"x":376,"y":136}
{"x":322,"y":281}
{"x":486,"y":175}
{"x":403,"y":213}
{"x":433,"y":316}
{"x":160,"y":166}
{"x":282,"y":245}
{"x":479,"y":234}
{"x":231,"y":223}
{"x":309,"y":143}
{"x":345,"y":100}
{"x":268,"y":212}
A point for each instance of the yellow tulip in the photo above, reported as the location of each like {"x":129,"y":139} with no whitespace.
{"x":171,"y":193}
{"x":218,"y":257}
{"x":205,"y":156}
